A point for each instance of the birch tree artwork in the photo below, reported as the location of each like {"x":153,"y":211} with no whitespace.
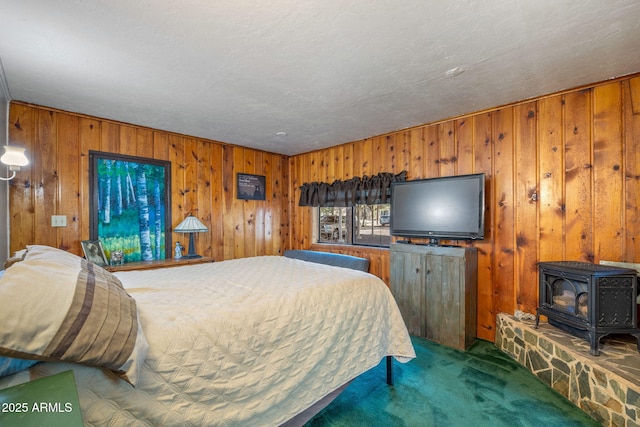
{"x":132,"y":205}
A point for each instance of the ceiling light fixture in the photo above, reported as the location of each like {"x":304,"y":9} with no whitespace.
{"x":281,"y":133}
{"x":15,"y":158}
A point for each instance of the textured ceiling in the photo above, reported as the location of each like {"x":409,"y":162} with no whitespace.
{"x":325,"y":72}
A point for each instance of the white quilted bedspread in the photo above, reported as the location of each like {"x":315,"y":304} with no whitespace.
{"x":247,"y":342}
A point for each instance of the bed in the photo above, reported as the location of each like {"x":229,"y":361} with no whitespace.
{"x":252,"y":341}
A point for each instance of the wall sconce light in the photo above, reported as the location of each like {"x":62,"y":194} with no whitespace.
{"x":15,"y":158}
{"x":191,"y":225}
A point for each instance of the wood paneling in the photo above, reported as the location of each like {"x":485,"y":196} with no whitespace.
{"x":631,"y":142}
{"x":525,"y":206}
{"x":203,"y":183}
{"x":608,"y":176}
{"x":563,"y":182}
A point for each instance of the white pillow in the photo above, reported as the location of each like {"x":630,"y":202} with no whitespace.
{"x":58,"y":306}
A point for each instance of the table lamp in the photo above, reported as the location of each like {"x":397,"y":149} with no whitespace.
{"x":191,"y":225}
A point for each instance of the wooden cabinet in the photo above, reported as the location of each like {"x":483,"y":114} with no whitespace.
{"x":435,"y":288}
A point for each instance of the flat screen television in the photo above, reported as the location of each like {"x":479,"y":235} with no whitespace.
{"x":448,"y":208}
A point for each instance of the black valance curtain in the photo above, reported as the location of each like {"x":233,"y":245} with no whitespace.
{"x":366,"y":190}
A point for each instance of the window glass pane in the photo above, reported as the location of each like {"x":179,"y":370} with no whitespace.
{"x":372,"y":225}
{"x":363,"y":225}
{"x":335,"y":225}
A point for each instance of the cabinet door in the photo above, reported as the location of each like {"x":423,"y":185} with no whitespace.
{"x":407,"y":286}
{"x":444,"y":305}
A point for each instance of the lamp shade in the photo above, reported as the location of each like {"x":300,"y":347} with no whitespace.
{"x":14,"y":156}
{"x":190,"y":224}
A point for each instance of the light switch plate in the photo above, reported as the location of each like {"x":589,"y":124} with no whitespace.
{"x":58,"y":220}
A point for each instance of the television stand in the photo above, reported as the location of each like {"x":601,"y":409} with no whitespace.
{"x":435,"y":288}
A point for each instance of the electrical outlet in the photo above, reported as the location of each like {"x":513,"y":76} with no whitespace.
{"x":58,"y":220}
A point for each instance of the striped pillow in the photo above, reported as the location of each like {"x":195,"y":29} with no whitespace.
{"x":60,"y":307}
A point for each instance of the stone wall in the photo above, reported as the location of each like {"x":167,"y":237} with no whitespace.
{"x":607,"y":387}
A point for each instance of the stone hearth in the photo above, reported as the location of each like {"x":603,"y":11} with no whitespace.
{"x":607,"y":387}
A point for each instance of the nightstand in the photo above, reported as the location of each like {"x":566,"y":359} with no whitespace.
{"x":160,"y":263}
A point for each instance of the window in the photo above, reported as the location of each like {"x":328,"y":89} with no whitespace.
{"x":355,"y":211}
{"x":372,"y":227}
{"x":333,"y":225}
{"x":363,"y":225}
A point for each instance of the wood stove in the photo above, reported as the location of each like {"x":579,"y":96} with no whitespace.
{"x":589,"y":300}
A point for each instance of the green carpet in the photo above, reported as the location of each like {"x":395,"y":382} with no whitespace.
{"x":447,"y":387}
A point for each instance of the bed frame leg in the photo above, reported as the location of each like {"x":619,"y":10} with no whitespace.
{"x":390,"y":370}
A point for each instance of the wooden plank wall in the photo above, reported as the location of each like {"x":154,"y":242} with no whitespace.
{"x":202,"y":174}
{"x":563,"y":183}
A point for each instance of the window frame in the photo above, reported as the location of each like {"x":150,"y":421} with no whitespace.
{"x":350,"y":234}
